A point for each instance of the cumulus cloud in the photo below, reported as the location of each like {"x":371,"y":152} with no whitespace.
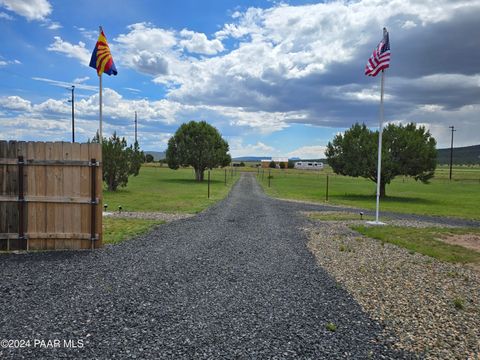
{"x":15,"y":103}
{"x":76,"y":51}
{"x":147,"y":49}
{"x":30,"y":9}
{"x":269,"y":68}
{"x":52,"y":117}
{"x":198,"y":43}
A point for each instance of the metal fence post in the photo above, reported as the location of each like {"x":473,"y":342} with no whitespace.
{"x":225,"y":177}
{"x":326,"y":191}
{"x":209,"y":184}
{"x":93,"y":201}
{"x":269,"y":176}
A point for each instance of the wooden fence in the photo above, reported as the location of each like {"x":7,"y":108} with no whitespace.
{"x":50,"y":196}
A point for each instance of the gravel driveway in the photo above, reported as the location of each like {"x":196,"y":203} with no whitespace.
{"x":236,"y":281}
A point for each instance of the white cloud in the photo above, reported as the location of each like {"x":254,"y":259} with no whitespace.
{"x":77,"y":51}
{"x":65,"y":84}
{"x":30,"y":9}
{"x":15,"y":103}
{"x":409,"y":24}
{"x":81,"y":80}
{"x":132,"y":89}
{"x":198,"y":43}
{"x":280,"y":67}
{"x":10,"y":62}
{"x":114,"y":106}
{"x":146,"y":48}
{"x":52,"y":106}
{"x":54,"y":26}
{"x":238,"y":148}
{"x":308,"y":152}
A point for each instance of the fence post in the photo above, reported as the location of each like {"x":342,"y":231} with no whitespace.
{"x":269,"y":176}
{"x":326,"y":191}
{"x":21,"y":202}
{"x":93,"y":200}
{"x":225,"y":177}
{"x":209,"y":184}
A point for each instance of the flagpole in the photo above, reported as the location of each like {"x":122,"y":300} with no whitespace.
{"x":100,"y":100}
{"x":380,"y":132}
{"x":100,"y":103}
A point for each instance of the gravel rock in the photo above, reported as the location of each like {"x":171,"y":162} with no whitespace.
{"x":167,"y":217}
{"x":236,"y":281}
{"x":416,"y":297}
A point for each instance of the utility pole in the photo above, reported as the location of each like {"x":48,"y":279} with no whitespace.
{"x":451,"y":151}
{"x":135,"y":126}
{"x":73,"y":113}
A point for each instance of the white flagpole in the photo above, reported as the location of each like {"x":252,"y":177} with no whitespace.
{"x":100,"y":103}
{"x":380,"y":132}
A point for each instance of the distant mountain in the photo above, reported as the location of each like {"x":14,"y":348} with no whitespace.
{"x":157,"y":155}
{"x":461,"y":155}
{"x":252,"y":158}
{"x":260,"y":158}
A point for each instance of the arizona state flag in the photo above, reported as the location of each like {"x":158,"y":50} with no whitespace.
{"x":102,"y":59}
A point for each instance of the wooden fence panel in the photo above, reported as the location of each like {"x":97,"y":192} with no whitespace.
{"x":75,"y":191}
{"x":57,"y":184}
{"x":96,"y":153}
{"x":85,"y":192}
{"x":3,"y":191}
{"x":12,"y":190}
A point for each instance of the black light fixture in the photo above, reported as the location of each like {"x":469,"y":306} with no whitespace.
{"x":361,"y":215}
{"x":119,"y":208}
{"x":105,"y":206}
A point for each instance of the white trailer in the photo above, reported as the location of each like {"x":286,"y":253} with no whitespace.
{"x":309,"y":165}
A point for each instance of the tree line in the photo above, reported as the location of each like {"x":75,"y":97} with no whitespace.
{"x":406,"y":150}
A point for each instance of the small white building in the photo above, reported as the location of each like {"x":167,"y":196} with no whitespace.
{"x":309,"y":165}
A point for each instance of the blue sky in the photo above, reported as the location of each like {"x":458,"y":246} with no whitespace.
{"x":276,"y":78}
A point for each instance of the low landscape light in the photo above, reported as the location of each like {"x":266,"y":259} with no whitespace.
{"x":361,"y":215}
{"x":105,"y":206}
{"x":119,"y":208}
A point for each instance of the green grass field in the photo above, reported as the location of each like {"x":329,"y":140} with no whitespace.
{"x":339,"y":216}
{"x":117,"y":230}
{"x":425,"y":241}
{"x":165,"y":190}
{"x":457,"y":198}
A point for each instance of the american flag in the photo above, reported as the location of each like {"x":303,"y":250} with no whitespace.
{"x":380,"y":58}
